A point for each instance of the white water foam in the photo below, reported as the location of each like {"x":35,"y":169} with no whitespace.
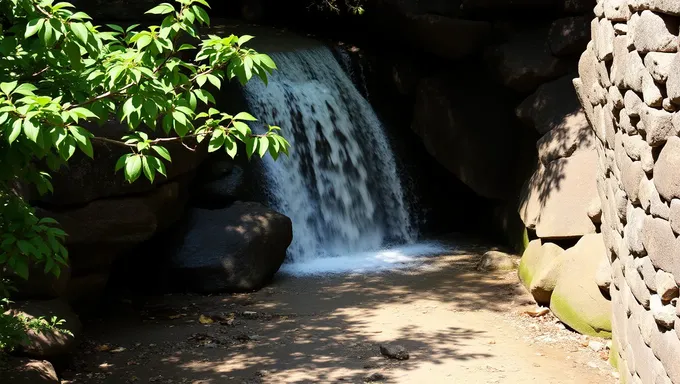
{"x":399,"y":257}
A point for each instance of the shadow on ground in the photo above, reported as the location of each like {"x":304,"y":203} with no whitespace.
{"x":312,"y":329}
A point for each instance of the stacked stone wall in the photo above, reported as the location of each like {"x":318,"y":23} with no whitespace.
{"x":629,"y":86}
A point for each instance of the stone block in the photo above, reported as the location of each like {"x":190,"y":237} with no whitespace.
{"x":605,"y":40}
{"x":631,"y":174}
{"x":670,"y":7}
{"x":647,"y":324}
{"x":661,"y":245}
{"x":666,"y":175}
{"x":633,"y":231}
{"x":664,"y":315}
{"x":666,"y":347}
{"x":665,"y":286}
{"x":636,"y":284}
{"x":620,"y":61}
{"x":673,"y":80}
{"x":675,"y":216}
{"x":655,"y":33}
{"x":646,"y":270}
{"x":658,"y":125}
{"x":616,"y":10}
{"x":633,"y":103}
{"x":651,"y":201}
{"x":658,"y":65}
{"x":614,"y":97}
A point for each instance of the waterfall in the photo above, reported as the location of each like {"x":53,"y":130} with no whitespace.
{"x":340,"y":185}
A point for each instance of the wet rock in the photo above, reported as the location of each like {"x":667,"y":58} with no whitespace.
{"x":394,"y":351}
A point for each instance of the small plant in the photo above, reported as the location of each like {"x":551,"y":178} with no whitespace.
{"x":14,"y":329}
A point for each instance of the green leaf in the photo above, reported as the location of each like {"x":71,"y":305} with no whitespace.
{"x":266,"y":60}
{"x":214,"y":80}
{"x":262,"y":146}
{"x":242,"y":128}
{"x":34,"y":26}
{"x":244,"y":116}
{"x":82,"y":137}
{"x":80,"y":30}
{"x":7,"y":88}
{"x":16,"y":130}
{"x":230,"y":146}
{"x":185,"y":46}
{"x":149,"y":171}
{"x":3,"y":118}
{"x":161,"y":9}
{"x":21,"y":269}
{"x":133,"y":166}
{"x":143,"y":41}
{"x":244,"y":39}
{"x":216,"y":141}
{"x":251,"y":146}
{"x":201,"y":14}
{"x":26,"y":248}
{"x":31,"y":130}
{"x":116,"y":28}
{"x":162,"y":152}
{"x":121,"y":161}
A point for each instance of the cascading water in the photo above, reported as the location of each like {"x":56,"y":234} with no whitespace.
{"x":340,"y":185}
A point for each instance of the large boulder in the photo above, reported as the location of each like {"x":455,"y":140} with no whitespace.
{"x":577,"y":300}
{"x":234,"y":249}
{"x":101,"y":231}
{"x":538,"y":269}
{"x":41,"y":285}
{"x":569,"y":36}
{"x":555,"y":200}
{"x":27,"y":371}
{"x":545,"y":278}
{"x":49,"y":345}
{"x":479,"y":147}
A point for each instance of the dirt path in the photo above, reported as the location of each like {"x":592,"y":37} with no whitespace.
{"x":459,"y":325}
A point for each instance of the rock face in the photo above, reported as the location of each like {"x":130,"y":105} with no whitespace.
{"x":51,"y":345}
{"x":577,"y":300}
{"x":474,"y":145}
{"x":235,"y":249}
{"x":638,"y":183}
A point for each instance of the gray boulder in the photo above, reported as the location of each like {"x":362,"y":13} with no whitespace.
{"x":235,"y":249}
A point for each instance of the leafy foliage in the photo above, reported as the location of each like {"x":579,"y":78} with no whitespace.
{"x":59,"y":72}
{"x":14,"y":329}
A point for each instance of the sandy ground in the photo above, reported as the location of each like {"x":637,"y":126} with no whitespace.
{"x":459,"y":326}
